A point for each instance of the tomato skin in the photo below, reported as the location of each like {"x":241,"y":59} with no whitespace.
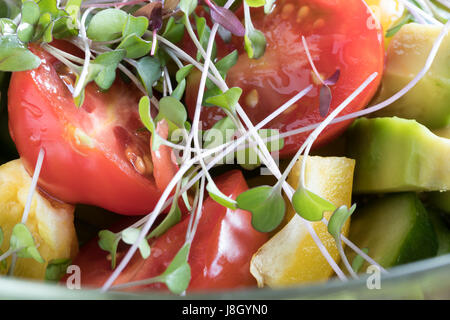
{"x":220,"y":253}
{"x":42,"y":114}
{"x":338,"y":37}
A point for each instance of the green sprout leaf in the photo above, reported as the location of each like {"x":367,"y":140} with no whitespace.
{"x":178,"y":92}
{"x":149,"y":70}
{"x":30,"y":17}
{"x":337,"y":221}
{"x":135,"y":26}
{"x":22,"y":241}
{"x":204,"y":33}
{"x":255,"y":3}
{"x":172,"y":218}
{"x":178,"y":274}
{"x":144,"y":113}
{"x":131,"y":235}
{"x":107,"y":25}
{"x":173,"y":32}
{"x":358,"y":261}
{"x":266,"y":205}
{"x":309,"y":205}
{"x":226,"y":100}
{"x":135,"y":46}
{"x":183,"y":72}
{"x":108,"y":241}
{"x":255,"y":43}
{"x":407,"y":18}
{"x":107,"y":63}
{"x":188,"y":6}
{"x":173,"y":111}
{"x":221,"y":129}
{"x":219,"y":197}
{"x":56,"y":269}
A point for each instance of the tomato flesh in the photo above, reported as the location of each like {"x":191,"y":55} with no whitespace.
{"x":341,"y":35}
{"x":96,"y":154}
{"x":220,"y":253}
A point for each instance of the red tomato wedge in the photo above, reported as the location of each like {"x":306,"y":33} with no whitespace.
{"x":96,"y":154}
{"x":341,"y":35}
{"x":220,"y":254}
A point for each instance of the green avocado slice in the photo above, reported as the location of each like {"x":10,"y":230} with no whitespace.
{"x":428,"y":101}
{"x":394,"y":155}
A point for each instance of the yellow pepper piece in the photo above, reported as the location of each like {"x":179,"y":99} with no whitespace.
{"x":291,"y":256}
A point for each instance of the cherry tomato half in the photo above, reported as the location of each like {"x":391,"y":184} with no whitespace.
{"x":341,"y":35}
{"x":220,"y":253}
{"x":97,"y":154}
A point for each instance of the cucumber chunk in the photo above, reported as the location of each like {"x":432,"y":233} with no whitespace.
{"x":397,"y":155}
{"x":396,"y":229}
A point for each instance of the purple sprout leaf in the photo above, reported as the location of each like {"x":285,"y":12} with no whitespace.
{"x":156,"y":19}
{"x":324,"y":100}
{"x":227,"y":19}
{"x":331,"y":81}
{"x":325,"y":93}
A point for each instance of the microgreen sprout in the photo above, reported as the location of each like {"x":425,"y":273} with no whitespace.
{"x":358,"y":260}
{"x":56,"y":269}
{"x":335,"y":225}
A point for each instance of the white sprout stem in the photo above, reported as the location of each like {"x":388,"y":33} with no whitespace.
{"x":87,"y":55}
{"x":425,"y":6}
{"x":167,"y":77}
{"x":383,"y":104}
{"x":61,"y":53}
{"x":26,"y":210}
{"x":445,"y":3}
{"x":362,"y":254}
{"x":311,"y":62}
{"x":199,"y":211}
{"x":419,"y":13}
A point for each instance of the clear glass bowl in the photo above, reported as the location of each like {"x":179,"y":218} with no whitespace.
{"x":426,"y":279}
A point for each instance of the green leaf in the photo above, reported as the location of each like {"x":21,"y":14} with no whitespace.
{"x":173,"y":111}
{"x":135,"y":26}
{"x":203,"y":32}
{"x":149,"y":70}
{"x":309,"y":205}
{"x":56,"y":269}
{"x":255,"y":44}
{"x":22,"y":241}
{"x":109,"y":62}
{"x":73,"y":9}
{"x":173,"y":32}
{"x":107,"y":25}
{"x":183,"y":72}
{"x":51,"y":7}
{"x":188,"y":6}
{"x":7,"y":26}
{"x":255,"y":3}
{"x":131,"y":235}
{"x":135,"y":46}
{"x":220,"y":131}
{"x":227,"y":62}
{"x":219,"y":197}
{"x":108,"y":241}
{"x":266,"y":205}
{"x":178,"y":274}
{"x":15,"y":56}
{"x":358,"y":261}
{"x":226,"y":100}
{"x":407,"y":18}
{"x":144,"y":113}
{"x":44,"y":28}
{"x":172,"y":218}
{"x":178,"y":92}
{"x":30,"y":17}
{"x":338,"y":219}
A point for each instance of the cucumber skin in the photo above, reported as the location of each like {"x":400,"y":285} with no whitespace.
{"x":412,"y":249}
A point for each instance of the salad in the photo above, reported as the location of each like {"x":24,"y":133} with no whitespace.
{"x":185,"y":146}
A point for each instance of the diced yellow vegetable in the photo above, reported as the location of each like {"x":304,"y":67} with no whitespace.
{"x":49,"y":221}
{"x":291,"y":256}
{"x":387,"y":12}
